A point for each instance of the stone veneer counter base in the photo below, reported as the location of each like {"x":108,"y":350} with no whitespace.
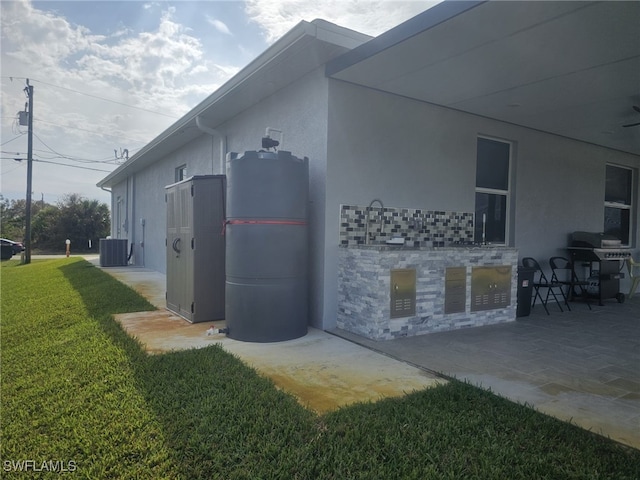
{"x":364,"y":289}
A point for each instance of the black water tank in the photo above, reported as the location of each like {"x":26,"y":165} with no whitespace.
{"x":266,"y":295}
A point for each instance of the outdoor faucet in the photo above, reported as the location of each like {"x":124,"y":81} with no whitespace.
{"x":367,"y":233}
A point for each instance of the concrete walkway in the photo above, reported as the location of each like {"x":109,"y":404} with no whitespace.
{"x":324,"y":372}
{"x":581,"y":366}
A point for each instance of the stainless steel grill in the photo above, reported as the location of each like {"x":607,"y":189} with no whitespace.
{"x":597,"y":254}
{"x":605,"y":253}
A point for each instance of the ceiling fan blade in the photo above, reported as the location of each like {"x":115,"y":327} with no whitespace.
{"x":636,"y":108}
{"x":631,"y":125}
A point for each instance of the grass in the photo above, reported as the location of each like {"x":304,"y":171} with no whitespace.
{"x":77,"y":390}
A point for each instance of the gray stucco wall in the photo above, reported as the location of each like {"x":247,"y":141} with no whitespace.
{"x":143,"y":194}
{"x":300,"y":111}
{"x":363,"y":144}
{"x":417,"y":155}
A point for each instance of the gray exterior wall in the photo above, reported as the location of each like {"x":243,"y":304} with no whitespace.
{"x":416,"y":155}
{"x":143,"y":194}
{"x":364,"y":144}
{"x":300,"y":111}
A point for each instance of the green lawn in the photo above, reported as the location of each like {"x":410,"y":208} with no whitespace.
{"x":79,"y":394}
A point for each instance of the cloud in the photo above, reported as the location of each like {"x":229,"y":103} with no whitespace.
{"x":154,"y":68}
{"x":49,"y":40}
{"x":372,"y":17}
{"x":218,"y":25}
{"x":163,"y":69}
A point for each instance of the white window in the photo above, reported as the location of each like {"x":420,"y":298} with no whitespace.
{"x":181,"y":173}
{"x":617,"y":203}
{"x":493,"y":163}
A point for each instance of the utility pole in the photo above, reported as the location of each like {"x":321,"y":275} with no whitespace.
{"x":27,"y":230}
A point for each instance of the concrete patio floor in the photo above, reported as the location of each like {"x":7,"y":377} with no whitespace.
{"x":580,"y":366}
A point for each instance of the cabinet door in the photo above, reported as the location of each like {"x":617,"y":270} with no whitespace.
{"x":490,"y":287}
{"x":173,"y":259}
{"x":185,"y":257}
{"x":455,"y":289}
{"x":179,"y":250}
{"x":403,"y":292}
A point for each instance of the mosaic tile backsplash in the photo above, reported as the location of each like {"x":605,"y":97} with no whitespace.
{"x":419,"y":227}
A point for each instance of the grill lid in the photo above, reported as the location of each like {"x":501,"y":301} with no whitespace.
{"x":594,"y":240}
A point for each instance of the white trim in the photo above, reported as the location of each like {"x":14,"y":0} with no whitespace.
{"x":492,"y":191}
{"x":623,"y":206}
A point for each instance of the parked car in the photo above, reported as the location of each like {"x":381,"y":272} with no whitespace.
{"x":16,"y":247}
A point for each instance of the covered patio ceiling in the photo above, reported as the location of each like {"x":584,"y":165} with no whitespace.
{"x":567,"y":68}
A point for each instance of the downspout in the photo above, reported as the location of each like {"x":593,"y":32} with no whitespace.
{"x":214,"y":133}
{"x":138,"y":253}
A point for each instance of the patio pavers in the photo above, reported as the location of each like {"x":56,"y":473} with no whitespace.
{"x":580,"y":366}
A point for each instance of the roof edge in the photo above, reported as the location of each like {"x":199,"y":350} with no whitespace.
{"x":321,"y":29}
{"x":431,"y":17}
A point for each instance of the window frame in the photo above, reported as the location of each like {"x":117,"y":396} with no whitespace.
{"x":181,"y":172}
{"x":621,"y":206}
{"x":493,"y":191}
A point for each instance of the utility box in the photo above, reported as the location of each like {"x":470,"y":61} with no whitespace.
{"x":196,"y":248}
{"x":113,"y":252}
{"x":455,"y":290}
{"x":490,"y":288}
{"x":403,"y":292}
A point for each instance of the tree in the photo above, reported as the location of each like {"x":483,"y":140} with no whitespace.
{"x":44,"y":228}
{"x":77,"y":219}
{"x":74,"y":217}
{"x":12,"y":217}
{"x":82,"y":220}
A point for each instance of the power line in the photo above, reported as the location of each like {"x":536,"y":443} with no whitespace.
{"x":60,"y":154}
{"x":78,"y":128}
{"x":14,"y":138}
{"x":55,"y":163}
{"x":106,"y":99}
{"x":82,"y":129}
{"x":72,"y":166}
{"x":94,"y":96}
{"x":106,"y":160}
{"x":42,"y":141}
{"x":68,"y":157}
{"x":20,"y":165}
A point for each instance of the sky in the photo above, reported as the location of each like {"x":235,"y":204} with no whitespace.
{"x":110,"y":76}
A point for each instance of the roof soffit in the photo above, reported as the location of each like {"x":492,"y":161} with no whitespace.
{"x":568,"y":68}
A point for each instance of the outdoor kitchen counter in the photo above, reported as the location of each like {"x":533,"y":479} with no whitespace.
{"x":442,"y":276}
{"x":389,"y":248}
